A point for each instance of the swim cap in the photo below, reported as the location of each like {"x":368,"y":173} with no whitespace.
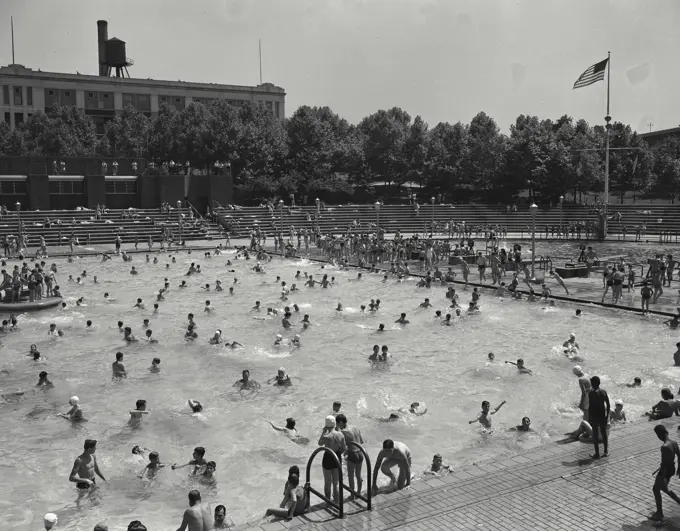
{"x":73,"y":400}
{"x":279,"y":336}
{"x":297,"y":336}
{"x":330,"y":421}
{"x":577,"y":368}
{"x":572,"y":335}
{"x":618,"y":402}
{"x":50,"y":518}
{"x":281,"y":369}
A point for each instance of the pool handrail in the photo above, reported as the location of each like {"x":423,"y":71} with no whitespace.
{"x":340,"y":507}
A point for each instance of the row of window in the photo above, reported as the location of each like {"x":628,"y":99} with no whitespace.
{"x":105,"y":100}
{"x":17,"y":97}
{"x":18,"y":118}
{"x":68,"y":187}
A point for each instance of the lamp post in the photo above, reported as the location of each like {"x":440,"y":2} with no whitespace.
{"x":561,"y":203}
{"x":281,"y":219}
{"x":533,"y":209}
{"x":179,"y":220}
{"x":18,"y":205}
{"x":318,"y":213}
{"x":377,"y":206}
{"x":432,"y":220}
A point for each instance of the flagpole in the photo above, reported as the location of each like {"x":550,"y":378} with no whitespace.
{"x":12,"y":24}
{"x":606,"y":155}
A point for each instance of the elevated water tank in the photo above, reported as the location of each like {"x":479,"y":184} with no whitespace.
{"x":115,"y":53}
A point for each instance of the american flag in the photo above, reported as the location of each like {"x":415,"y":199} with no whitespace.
{"x":592,"y":75}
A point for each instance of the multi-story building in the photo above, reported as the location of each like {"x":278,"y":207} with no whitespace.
{"x":24,"y":91}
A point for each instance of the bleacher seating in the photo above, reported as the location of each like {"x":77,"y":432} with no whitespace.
{"x":148,"y":222}
{"x":337,"y":218}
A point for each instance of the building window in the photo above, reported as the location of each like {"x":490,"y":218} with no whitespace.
{"x":18,"y":118}
{"x":67,"y":93}
{"x":127,"y":97}
{"x":13,"y":187}
{"x":121,"y":187}
{"x":18,"y":100}
{"x":29,"y":96}
{"x":106,"y":96}
{"x":50,"y":92}
{"x":7,"y":118}
{"x":67,"y":187}
{"x":5,"y":95}
{"x":90,"y":94}
{"x":278,"y":109}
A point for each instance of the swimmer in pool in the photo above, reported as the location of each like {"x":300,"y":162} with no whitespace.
{"x":148,"y":337}
{"x":74,"y":414}
{"x":571,"y":344}
{"x":217,"y":338}
{"x":153,"y":466}
{"x":425,"y":304}
{"x":289,"y":429}
{"x":521,"y":369}
{"x":197,"y":461}
{"x":437,"y":468}
{"x":256,"y":308}
{"x":281,"y":378}
{"x":637,"y":382}
{"x":118,"y":366}
{"x":491,"y":356}
{"x":278,"y":341}
{"x":415,"y":409}
{"x":617,"y":414}
{"x":484,"y":417}
{"x":139,"y":411}
{"x":140,"y":304}
{"x":381,"y":328}
{"x":207,"y":307}
{"x":218,"y":285}
{"x":43,"y":381}
{"x":295,"y":342}
{"x":245,"y":382}
{"x":195,"y":405}
{"x":402,"y":319}
{"x":155,"y":365}
{"x":85,"y":467}
{"x":524,"y":426}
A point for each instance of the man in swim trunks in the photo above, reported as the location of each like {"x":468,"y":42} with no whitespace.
{"x":481,"y":266}
{"x":646,"y":294}
{"x":584,"y":385}
{"x":355,"y":457}
{"x":598,"y":415}
{"x":85,"y":467}
{"x":669,"y":449}
{"x":590,"y":257}
{"x":393,"y":454}
{"x":197,"y":517}
{"x":559,"y":280}
{"x":335,"y":441}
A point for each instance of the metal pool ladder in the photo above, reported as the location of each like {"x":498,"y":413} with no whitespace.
{"x":340,"y":507}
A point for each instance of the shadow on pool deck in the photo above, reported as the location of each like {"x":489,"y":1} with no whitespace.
{"x":557,"y":487}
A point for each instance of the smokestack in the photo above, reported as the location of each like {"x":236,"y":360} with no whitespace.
{"x":102,"y":37}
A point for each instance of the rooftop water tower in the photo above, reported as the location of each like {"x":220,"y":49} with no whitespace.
{"x":111,"y":53}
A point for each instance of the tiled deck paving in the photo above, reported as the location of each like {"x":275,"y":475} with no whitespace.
{"x":557,"y":487}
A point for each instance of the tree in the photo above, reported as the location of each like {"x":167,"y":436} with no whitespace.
{"x":447,"y":150}
{"x":485,"y":156}
{"x":385,"y":134}
{"x":128,"y":134}
{"x":11,"y":141}
{"x":666,"y":168}
{"x":62,"y":132}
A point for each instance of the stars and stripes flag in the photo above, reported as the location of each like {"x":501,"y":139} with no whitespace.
{"x":592,"y":75}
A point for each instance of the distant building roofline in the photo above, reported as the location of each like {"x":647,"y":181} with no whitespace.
{"x":22,"y":71}
{"x":661,"y":132}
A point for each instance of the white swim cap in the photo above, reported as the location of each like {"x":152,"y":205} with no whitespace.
{"x":279,"y":336}
{"x":281,"y":369}
{"x":577,"y":368}
{"x":50,"y":518}
{"x":618,"y":402}
{"x":330,"y":421}
{"x":297,"y":336}
{"x":73,"y":401}
{"x":218,"y":332}
{"x":572,"y":335}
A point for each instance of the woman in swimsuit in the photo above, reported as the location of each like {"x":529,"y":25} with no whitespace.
{"x":608,"y":281}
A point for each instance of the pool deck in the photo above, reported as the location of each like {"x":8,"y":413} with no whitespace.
{"x":557,"y":487}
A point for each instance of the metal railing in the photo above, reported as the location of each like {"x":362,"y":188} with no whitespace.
{"x":340,"y":506}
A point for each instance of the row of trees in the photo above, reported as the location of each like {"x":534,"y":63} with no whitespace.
{"x":316,"y":151}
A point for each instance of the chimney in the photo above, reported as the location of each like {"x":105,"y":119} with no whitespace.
{"x":102,"y":37}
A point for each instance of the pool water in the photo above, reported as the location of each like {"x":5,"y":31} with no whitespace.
{"x":444,"y":367}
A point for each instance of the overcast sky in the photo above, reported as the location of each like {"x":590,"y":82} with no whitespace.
{"x":443,"y":59}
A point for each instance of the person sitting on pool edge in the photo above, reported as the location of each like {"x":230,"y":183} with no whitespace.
{"x":295,"y":500}
{"x":665,"y":408}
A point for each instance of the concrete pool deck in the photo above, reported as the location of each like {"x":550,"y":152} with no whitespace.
{"x":557,"y":487}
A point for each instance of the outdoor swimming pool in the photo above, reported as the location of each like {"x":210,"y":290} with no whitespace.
{"x":444,"y":367}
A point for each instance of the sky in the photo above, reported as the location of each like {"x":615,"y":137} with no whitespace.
{"x":445,"y":60}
